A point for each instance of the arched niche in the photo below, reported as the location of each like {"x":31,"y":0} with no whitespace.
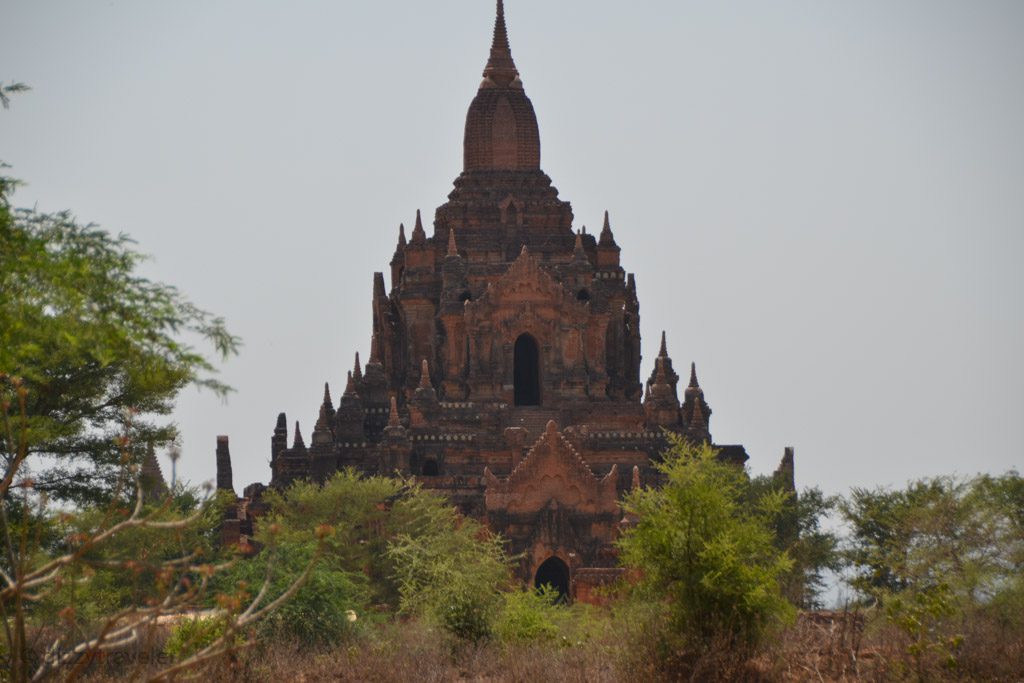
{"x":526,"y":371}
{"x":555,"y":573}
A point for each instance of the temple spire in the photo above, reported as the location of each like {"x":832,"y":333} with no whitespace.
{"x":606,"y":238}
{"x":419,"y":236}
{"x":357,"y":371}
{"x":693,"y":376}
{"x":299,"y":443}
{"x":401,"y":235}
{"x":453,"y":250}
{"x":425,"y":375}
{"x":663,"y":352}
{"x":578,"y":253}
{"x":500,"y":69}
{"x":393,"y":419}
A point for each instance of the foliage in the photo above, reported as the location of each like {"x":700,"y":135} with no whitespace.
{"x":967,"y":534}
{"x":800,"y":532}
{"x":319,"y":611}
{"x":705,"y":548}
{"x":450,"y":569}
{"x":364,"y":512}
{"x":937,"y":555}
{"x":7,"y":90}
{"x":99,"y":349}
{"x":193,"y":634}
{"x":133,"y":544}
{"x":393,"y":545}
{"x":529,"y":615}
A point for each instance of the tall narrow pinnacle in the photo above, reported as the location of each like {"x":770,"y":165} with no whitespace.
{"x":327,"y":394}
{"x":350,"y":386}
{"x":357,"y":371}
{"x":298,"y":443}
{"x":693,"y":376}
{"x":663,"y":352}
{"x":393,"y":420}
{"x":375,"y":355}
{"x":607,"y":238}
{"x":500,"y":68}
{"x":401,"y":235}
{"x":419,"y":236}
{"x":452,"y":248}
{"x":425,"y":375}
{"x":578,"y":253}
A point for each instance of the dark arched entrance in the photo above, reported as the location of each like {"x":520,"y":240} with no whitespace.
{"x":554,"y":573}
{"x":526,"y":370}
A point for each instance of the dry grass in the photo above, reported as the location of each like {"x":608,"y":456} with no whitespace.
{"x":832,"y":647}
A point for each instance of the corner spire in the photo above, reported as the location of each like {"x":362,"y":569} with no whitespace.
{"x":357,"y":371}
{"x":393,"y":419}
{"x":663,"y":352}
{"x":453,"y":249}
{"x":578,"y":253}
{"x":299,"y":443}
{"x":350,"y":386}
{"x":607,"y":239}
{"x":693,"y":376}
{"x":419,"y":236}
{"x":500,"y":69}
{"x":425,"y":375}
{"x":401,"y":235}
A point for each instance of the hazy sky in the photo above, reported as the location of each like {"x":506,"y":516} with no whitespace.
{"x":823,"y":201}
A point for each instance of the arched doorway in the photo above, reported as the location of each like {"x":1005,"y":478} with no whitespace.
{"x":554,"y":573}
{"x":526,"y":371}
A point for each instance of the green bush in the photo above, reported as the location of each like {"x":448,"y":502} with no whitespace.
{"x":705,"y":547}
{"x":192,"y":635}
{"x":528,"y":615}
{"x":319,"y":612}
{"x":450,"y":570}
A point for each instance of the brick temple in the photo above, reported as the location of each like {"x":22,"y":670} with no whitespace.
{"x":504,"y":365}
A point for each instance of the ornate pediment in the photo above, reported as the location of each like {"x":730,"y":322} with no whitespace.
{"x":553,"y":471}
{"x":524,"y":282}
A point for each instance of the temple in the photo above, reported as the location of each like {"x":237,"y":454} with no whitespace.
{"x":504,"y":364}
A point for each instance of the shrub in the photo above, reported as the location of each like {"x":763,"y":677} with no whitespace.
{"x":528,"y":615}
{"x":450,"y":569}
{"x":192,"y":635}
{"x":705,"y":547}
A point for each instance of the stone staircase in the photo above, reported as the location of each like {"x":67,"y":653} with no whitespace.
{"x":534,"y":419}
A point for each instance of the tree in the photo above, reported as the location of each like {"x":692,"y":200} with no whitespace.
{"x":966,"y":534}
{"x":76,"y":585}
{"x":937,"y":556}
{"x":392,"y":546}
{"x":799,"y":531}
{"x":704,"y":546}
{"x":101,"y":351}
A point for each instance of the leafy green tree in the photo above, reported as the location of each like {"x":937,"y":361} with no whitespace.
{"x":800,"y":531}
{"x":939,"y":555}
{"x":704,"y":546}
{"x":392,"y":545}
{"x":101,"y":351}
{"x":451,"y":570}
{"x":966,"y":534}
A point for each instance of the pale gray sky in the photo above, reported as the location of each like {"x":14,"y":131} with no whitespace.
{"x":823,"y":201}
